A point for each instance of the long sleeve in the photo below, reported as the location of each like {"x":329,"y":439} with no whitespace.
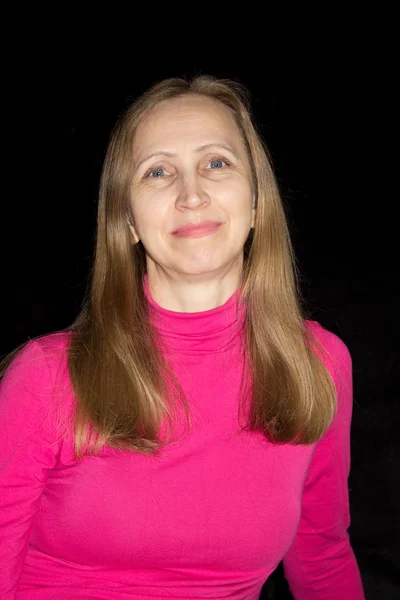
{"x":320,"y":564}
{"x":28,"y":451}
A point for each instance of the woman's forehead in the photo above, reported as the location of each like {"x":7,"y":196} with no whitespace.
{"x":191,"y":119}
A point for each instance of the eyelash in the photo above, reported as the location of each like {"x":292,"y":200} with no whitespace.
{"x":215,"y":158}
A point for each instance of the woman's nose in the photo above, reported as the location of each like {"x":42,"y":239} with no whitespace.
{"x":192,"y":194}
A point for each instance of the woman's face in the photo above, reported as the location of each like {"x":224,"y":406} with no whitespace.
{"x":191,"y":197}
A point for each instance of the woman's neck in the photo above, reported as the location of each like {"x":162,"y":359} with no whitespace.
{"x":191,"y":294}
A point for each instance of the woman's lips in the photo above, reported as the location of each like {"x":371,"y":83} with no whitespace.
{"x":197,"y":230}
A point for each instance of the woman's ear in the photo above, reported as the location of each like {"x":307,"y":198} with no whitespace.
{"x":132,"y":231}
{"x":253,"y":213}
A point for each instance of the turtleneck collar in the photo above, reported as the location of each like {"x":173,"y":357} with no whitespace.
{"x":208,"y":331}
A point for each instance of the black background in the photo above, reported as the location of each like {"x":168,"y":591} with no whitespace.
{"x":328,"y":113}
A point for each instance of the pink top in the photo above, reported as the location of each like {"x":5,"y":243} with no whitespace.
{"x":210,"y":518}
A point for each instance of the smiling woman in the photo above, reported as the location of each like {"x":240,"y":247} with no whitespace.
{"x":191,"y":429}
{"x":192,"y":202}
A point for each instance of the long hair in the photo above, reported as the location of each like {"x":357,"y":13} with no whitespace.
{"x":123,"y":385}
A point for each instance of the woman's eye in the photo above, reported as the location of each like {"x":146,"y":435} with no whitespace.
{"x":217,"y":163}
{"x":159,"y":172}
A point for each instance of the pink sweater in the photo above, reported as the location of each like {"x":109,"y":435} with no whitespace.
{"x":211,"y":518}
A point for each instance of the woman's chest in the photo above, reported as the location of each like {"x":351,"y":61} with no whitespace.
{"x":229,"y":501}
{"x":220,"y":496}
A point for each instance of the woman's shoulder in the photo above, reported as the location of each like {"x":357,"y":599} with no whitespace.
{"x":52,"y":345}
{"x":35,"y":390}
{"x":40,"y":357}
{"x":331,"y":343}
{"x":334,"y":353}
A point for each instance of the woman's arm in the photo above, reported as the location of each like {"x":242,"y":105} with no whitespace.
{"x":320,"y":564}
{"x":28,"y":451}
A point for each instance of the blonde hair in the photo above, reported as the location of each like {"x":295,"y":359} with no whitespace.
{"x":122,"y":383}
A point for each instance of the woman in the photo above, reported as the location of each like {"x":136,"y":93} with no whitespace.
{"x":191,"y":430}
